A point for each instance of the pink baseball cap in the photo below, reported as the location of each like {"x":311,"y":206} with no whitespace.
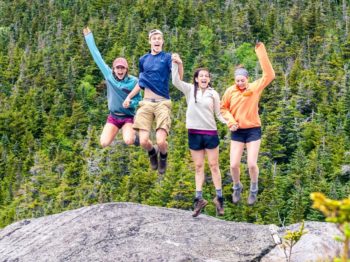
{"x":120,"y":61}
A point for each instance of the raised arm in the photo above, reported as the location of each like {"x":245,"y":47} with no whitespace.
{"x":266,"y":66}
{"x":176,"y":72}
{"x":176,"y":59}
{"x":89,"y":38}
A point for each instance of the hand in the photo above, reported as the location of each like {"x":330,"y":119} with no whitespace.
{"x":86,"y":31}
{"x":176,"y":58}
{"x":126,"y":102}
{"x":258,"y":44}
{"x":234,"y":127}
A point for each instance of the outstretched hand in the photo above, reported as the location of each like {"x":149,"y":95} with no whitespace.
{"x":86,"y":31}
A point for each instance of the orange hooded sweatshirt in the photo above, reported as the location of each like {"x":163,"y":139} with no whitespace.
{"x":241,"y":106}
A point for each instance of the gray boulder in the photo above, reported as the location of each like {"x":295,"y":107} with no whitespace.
{"x":134,"y":232}
{"x":317,"y":244}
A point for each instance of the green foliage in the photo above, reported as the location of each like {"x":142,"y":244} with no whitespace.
{"x":336,"y":212}
{"x":290,"y":239}
{"x":246,"y":56}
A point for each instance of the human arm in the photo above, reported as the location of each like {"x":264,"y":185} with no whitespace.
{"x":135,"y":100}
{"x":89,"y":38}
{"x":176,"y":59}
{"x":177,"y":70}
{"x":266,"y":66}
{"x":217,"y":111}
{"x":225,"y":110}
{"x":134,"y":92}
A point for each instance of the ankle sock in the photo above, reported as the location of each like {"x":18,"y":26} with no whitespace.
{"x":152,"y":152}
{"x":163,"y":156}
{"x":254,"y":186}
{"x":219,"y":192}
{"x":199,"y":194}
{"x":237,"y":186}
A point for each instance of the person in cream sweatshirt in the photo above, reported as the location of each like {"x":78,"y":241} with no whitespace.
{"x":203,"y":104}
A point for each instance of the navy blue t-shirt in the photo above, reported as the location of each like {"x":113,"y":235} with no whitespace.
{"x":155,"y":73}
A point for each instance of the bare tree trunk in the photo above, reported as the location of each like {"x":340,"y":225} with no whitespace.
{"x":346,"y":18}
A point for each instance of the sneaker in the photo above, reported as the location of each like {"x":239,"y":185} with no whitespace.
{"x":199,"y":204}
{"x":236,"y":196}
{"x":252,"y":197}
{"x":154,"y":158}
{"x":219,"y":204}
{"x":162,"y":164}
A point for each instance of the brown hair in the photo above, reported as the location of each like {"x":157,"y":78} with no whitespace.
{"x":195,"y":75}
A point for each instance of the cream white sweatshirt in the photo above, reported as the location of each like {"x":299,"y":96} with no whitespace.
{"x":199,"y":115}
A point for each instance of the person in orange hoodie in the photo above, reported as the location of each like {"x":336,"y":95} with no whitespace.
{"x":239,"y":107}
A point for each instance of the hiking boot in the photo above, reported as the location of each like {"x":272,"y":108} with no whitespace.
{"x":199,"y":204}
{"x":236,"y":196}
{"x":153,"y":158}
{"x":252,"y":197}
{"x":162,"y":164}
{"x":219,"y":204}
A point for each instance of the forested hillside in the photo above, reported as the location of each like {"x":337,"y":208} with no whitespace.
{"x":53,"y":103}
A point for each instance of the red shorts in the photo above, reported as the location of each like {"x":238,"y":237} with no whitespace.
{"x":119,"y":121}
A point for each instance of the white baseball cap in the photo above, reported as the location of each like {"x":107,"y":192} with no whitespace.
{"x":154,"y":32}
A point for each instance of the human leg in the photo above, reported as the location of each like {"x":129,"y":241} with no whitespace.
{"x":161,"y":136}
{"x":143,"y":123}
{"x":198,"y":159}
{"x":253,"y":148}
{"x":213,"y":160}
{"x":108,"y":134}
{"x":128,"y":133}
{"x":236,"y":151}
{"x":146,"y":144}
{"x":163,"y":121}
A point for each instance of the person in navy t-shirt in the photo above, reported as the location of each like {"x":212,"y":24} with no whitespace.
{"x":155,"y":69}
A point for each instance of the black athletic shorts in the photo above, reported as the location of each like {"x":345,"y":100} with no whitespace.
{"x":246,"y":135}
{"x":199,"y":141}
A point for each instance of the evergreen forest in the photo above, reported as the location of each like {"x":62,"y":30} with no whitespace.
{"x":53,"y":103}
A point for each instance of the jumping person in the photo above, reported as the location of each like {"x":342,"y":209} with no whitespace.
{"x":155,"y":68}
{"x":119,"y":85}
{"x":203,"y":103}
{"x":239,"y":106}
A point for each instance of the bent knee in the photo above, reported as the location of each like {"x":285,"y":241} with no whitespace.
{"x":253,"y":167}
{"x":235,"y":166}
{"x":104,"y":143}
{"x":161,"y":141}
{"x":144,"y":141}
{"x":199,"y":166}
{"x":214,"y":165}
{"x":129,"y":141}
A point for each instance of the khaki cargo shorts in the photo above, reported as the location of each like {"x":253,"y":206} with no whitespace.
{"x":149,"y":112}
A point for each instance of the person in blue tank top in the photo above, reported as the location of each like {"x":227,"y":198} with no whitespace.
{"x":154,"y":75}
{"x":119,"y":85}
